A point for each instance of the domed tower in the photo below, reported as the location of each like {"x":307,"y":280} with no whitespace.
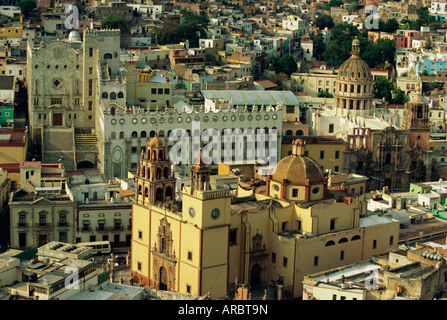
{"x":297,"y":177}
{"x":354,"y":85}
{"x":154,"y":180}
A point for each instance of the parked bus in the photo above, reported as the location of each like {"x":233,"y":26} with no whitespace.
{"x":98,"y":246}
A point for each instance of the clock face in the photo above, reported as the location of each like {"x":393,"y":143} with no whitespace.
{"x":215,"y":213}
{"x":192,"y":213}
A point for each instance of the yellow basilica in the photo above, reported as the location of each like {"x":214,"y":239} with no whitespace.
{"x":276,"y":233}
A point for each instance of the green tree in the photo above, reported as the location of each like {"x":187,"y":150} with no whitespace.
{"x":391,"y":25}
{"x":434,"y":174}
{"x":383,"y":88}
{"x":324,"y":21}
{"x":113,"y":21}
{"x":318,"y":46}
{"x":398,"y":96}
{"x":334,"y":3}
{"x":352,"y":7}
{"x":383,"y":50}
{"x":423,"y":15}
{"x":429,"y":45}
{"x":191,"y":28}
{"x":287,"y":64}
{"x":420,"y":171}
{"x":26,"y":6}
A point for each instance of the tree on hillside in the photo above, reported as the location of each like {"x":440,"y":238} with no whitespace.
{"x":112,"y":21}
{"x":382,"y":88}
{"x":420,"y":171}
{"x":324,"y":21}
{"x":286,"y":64}
{"x":26,"y":6}
{"x":192,"y":28}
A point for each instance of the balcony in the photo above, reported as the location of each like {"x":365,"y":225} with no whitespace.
{"x":86,"y":229}
{"x":43,"y":225}
{"x":110,"y":228}
{"x":22,"y":224}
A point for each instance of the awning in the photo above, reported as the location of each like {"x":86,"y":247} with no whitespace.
{"x":126,"y":193}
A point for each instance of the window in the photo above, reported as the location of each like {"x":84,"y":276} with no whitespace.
{"x":190,"y":255}
{"x":42,"y":219}
{"x":294,"y":193}
{"x":167,"y":91}
{"x":374,"y":244}
{"x":290,"y":109}
{"x":273,"y":257}
{"x":139,"y":265}
{"x":331,"y":128}
{"x":63,"y":236}
{"x":284,"y":262}
{"x":188,"y":289}
{"x":315,"y":261}
{"x":154,"y":91}
{"x":233,"y":237}
{"x":334,"y":297}
{"x":322,"y":154}
{"x":90,"y":105}
{"x":391,"y":240}
{"x":337,"y":154}
{"x":22,"y":218}
{"x":62,"y":219}
{"x":140,"y":234}
{"x":332,"y":226}
{"x":90,"y":52}
{"x":342,"y":255}
{"x":56,"y":100}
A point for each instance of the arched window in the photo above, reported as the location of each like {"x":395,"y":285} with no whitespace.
{"x":143,"y":134}
{"x":113,"y":135}
{"x":121,"y":135}
{"x":146,"y":192}
{"x":158,"y":173}
{"x":112,"y":96}
{"x":356,"y":237}
{"x":120,"y":95}
{"x":160,"y":155}
{"x":152,"y":134}
{"x":104,"y":95}
{"x":342,"y":240}
{"x":166,"y":172}
{"x":134,"y":134}
{"x":289,"y":132}
{"x":143,"y":171}
{"x":299,"y":132}
{"x":107,"y":56}
{"x":140,"y":190}
{"x":161,"y":133}
{"x":329,"y":243}
{"x":168,"y":192}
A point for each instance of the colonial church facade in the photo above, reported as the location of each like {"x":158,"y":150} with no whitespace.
{"x":383,"y":143}
{"x":277,"y":233}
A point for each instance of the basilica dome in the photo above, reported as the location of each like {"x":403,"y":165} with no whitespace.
{"x":298,"y":168}
{"x":355,"y":68}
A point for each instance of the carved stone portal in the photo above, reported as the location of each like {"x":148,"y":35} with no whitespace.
{"x":164,"y":260}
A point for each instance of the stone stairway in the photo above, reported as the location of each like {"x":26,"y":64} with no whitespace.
{"x":85,"y":140}
{"x":58,"y":146}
